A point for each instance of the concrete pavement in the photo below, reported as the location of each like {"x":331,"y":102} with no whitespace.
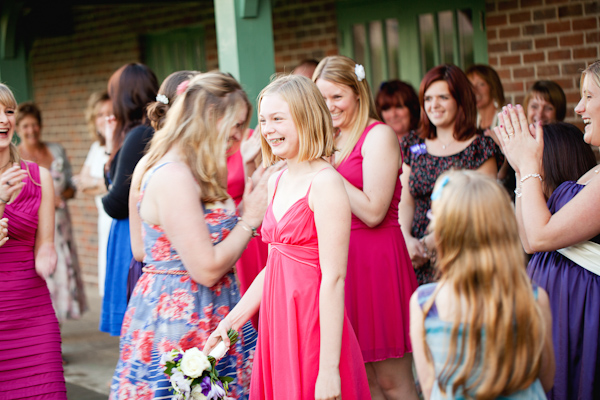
{"x":91,"y":355}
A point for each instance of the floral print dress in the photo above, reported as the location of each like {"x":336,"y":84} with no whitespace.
{"x":168,"y":310}
{"x":424,"y":171}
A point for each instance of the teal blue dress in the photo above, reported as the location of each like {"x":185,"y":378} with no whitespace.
{"x":437,"y":335}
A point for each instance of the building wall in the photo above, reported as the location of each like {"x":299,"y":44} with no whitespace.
{"x":529,"y":40}
{"x":67,"y":69}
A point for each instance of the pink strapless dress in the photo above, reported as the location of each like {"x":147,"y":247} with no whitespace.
{"x":286,"y":362}
{"x":380,"y":277}
{"x":30,"y":361}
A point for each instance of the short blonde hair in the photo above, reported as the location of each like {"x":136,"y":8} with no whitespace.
{"x":481,"y":260}
{"x":93,"y":108}
{"x":192,"y":124}
{"x":341,"y":70}
{"x":309,"y":114}
{"x":7,"y":99}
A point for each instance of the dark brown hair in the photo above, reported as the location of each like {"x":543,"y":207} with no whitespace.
{"x":28,"y":109}
{"x":396,"y":93}
{"x":462,"y":91}
{"x":130,"y":88}
{"x":157,"y":111}
{"x":490,"y":76}
{"x":552,"y":93}
{"x":566,"y":156}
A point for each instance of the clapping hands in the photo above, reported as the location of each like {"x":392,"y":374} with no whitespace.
{"x":11,"y":182}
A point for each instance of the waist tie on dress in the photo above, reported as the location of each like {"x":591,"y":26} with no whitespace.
{"x":586,"y":255}
{"x":303,"y":254}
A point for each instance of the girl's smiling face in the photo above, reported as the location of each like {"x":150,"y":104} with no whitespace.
{"x":589,"y":110}
{"x":277,"y":127}
{"x":7,"y":125}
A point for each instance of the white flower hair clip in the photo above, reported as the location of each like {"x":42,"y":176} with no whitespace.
{"x":162,"y":98}
{"x":359,"y":70}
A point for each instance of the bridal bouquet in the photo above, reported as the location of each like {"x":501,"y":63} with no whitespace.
{"x":193,"y":375}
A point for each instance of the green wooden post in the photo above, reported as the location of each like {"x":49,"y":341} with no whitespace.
{"x":14,"y":64}
{"x":245,"y":43}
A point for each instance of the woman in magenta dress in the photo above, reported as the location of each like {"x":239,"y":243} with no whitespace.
{"x":380,"y":277}
{"x":306,"y":347}
{"x":30,"y":353}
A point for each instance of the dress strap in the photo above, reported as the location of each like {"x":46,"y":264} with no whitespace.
{"x":362,"y":138}
{"x":311,"y":182}
{"x":143,"y":189}
{"x":277,"y":184}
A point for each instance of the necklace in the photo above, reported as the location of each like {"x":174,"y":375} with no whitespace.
{"x":444,"y":145}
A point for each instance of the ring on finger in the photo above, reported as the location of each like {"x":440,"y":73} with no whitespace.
{"x":8,"y":183}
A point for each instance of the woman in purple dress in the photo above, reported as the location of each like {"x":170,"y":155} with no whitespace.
{"x":565,"y":236}
{"x":30,"y":354}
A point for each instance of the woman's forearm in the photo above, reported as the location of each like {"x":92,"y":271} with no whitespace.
{"x":249,"y":304}
{"x":331,"y":312}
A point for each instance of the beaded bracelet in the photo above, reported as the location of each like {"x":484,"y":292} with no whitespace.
{"x":248,"y":228}
{"x":518,"y":192}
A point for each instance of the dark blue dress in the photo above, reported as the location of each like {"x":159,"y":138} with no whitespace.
{"x":574,"y":294}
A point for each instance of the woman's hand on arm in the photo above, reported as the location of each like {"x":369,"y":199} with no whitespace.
{"x":417,"y":334}
{"x":250,"y":149}
{"x":45,"y":252}
{"x":3,"y":231}
{"x":381,"y":162}
{"x":333,"y":216}
{"x":11,"y":182}
{"x":135,"y":222}
{"x":406,"y":212}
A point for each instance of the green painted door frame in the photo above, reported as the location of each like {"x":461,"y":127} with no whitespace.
{"x":351,"y":12}
{"x":14,"y":60}
{"x":245,"y":43}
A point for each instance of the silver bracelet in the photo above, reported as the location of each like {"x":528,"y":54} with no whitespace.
{"x":523,"y":179}
{"x":4,"y":201}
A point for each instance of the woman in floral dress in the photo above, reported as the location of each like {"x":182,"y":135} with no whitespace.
{"x":184,"y":293}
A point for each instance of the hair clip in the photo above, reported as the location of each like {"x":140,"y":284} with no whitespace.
{"x":359,"y":70}
{"x":182,"y":87}
{"x":162,"y":98}
{"x":438,"y":193}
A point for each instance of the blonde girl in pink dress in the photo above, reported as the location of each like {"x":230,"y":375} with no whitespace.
{"x":380,"y":276}
{"x":306,"y":346}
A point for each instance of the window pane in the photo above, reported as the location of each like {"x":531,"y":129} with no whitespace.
{"x":376,"y":74}
{"x":391,"y":29}
{"x":445,"y":28}
{"x":359,"y":38}
{"x":427,"y":42}
{"x":465,"y":34}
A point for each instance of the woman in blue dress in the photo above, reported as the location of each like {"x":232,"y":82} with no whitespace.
{"x":193,"y":236}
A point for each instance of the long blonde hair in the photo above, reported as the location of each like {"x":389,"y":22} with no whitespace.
{"x":341,"y":70}
{"x":8,"y":100}
{"x":309,"y":114}
{"x":191,"y":123}
{"x":481,"y":261}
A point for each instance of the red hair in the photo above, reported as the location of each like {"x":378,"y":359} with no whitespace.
{"x":462,"y":91}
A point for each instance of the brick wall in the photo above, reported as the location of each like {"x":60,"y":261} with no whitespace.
{"x":529,"y":40}
{"x":67,"y":69}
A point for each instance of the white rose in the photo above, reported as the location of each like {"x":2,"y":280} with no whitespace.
{"x":194,"y":362}
{"x":197,"y":393}
{"x":359,"y":70}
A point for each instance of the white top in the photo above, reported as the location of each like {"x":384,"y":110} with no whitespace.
{"x":96,"y":159}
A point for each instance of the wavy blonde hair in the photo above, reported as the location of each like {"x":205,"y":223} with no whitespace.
{"x":340,"y":70}
{"x":199,"y":123}
{"x":7,"y":99}
{"x":94,"y":104}
{"x":309,"y":114}
{"x":482,"y":262}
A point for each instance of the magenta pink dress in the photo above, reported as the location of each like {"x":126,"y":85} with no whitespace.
{"x":30,"y":361}
{"x":286,"y":361}
{"x":254,"y":258}
{"x":380,"y":277}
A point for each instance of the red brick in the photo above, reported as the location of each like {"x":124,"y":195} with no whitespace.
{"x":565,"y":84}
{"x":546,"y":42}
{"x":570,"y":11}
{"x":513,"y":86}
{"x":585,"y":24}
{"x":504,"y":74}
{"x":556,"y":1}
{"x":493,"y":60}
{"x":530,"y":3}
{"x":560,"y":55}
{"x":547,"y":13}
{"x":509,"y":33}
{"x":591,"y":8}
{"x":556,"y":27}
{"x":538,"y":29}
{"x":508,"y":5}
{"x":492,"y":34}
{"x":510,"y":60}
{"x":522,"y":16}
{"x":496,"y":20}
{"x":525,"y":72}
{"x":572,"y":40}
{"x":533,"y":57}
{"x":589,"y":52}
{"x":592,"y":37}
{"x":498,"y":47}
{"x":573,"y":97}
{"x":521,"y":45}
{"x":547,"y":70}
{"x":573,"y":68}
